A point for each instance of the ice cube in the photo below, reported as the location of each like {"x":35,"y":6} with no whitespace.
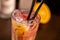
{"x":19,"y":19}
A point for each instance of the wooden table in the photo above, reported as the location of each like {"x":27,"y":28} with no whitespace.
{"x":49,"y":31}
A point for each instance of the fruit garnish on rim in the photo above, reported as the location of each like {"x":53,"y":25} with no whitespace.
{"x":44,"y":12}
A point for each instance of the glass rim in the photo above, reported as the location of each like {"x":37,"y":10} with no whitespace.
{"x":18,"y":10}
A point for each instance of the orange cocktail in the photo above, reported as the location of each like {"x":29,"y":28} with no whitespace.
{"x":23,"y":29}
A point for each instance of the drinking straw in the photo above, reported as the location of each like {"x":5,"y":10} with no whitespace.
{"x":37,"y":10}
{"x":33,"y":2}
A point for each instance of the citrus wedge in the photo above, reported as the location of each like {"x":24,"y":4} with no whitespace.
{"x":44,"y":13}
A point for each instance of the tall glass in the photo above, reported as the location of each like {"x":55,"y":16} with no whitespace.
{"x":23,"y":29}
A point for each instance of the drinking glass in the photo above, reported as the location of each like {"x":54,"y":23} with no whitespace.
{"x":23,"y":29}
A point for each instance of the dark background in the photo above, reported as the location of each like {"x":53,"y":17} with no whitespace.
{"x":49,"y":31}
{"x":54,"y":6}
